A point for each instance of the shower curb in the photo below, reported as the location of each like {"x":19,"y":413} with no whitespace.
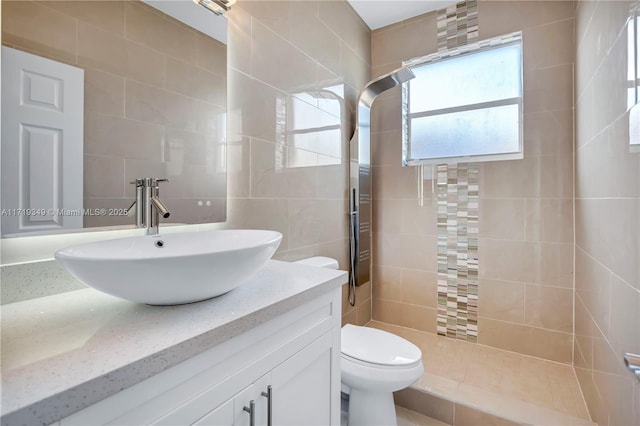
{"x":445,"y":410}
{"x":457,"y":413}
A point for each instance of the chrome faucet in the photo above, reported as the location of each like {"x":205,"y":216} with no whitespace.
{"x":148,"y":204}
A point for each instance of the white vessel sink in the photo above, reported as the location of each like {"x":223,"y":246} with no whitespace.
{"x":171,"y":269}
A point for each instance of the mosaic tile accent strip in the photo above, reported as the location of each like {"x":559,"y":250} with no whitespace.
{"x":457,"y":24}
{"x":458,"y":203}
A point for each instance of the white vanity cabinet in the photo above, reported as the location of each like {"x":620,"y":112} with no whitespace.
{"x":295,"y":354}
{"x":299,"y":388}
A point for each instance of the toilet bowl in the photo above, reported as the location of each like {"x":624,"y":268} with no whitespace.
{"x":374,"y":364}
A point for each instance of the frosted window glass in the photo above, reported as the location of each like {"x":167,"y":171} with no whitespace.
{"x":465,"y":103}
{"x":477,"y":132}
{"x":479,"y":77}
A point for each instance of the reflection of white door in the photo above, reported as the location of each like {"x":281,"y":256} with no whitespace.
{"x":42,"y":143}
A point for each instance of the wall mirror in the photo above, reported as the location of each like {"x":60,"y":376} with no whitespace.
{"x":98,"y":93}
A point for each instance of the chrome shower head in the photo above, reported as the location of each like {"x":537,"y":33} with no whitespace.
{"x":403,"y":74}
{"x":384,"y":83}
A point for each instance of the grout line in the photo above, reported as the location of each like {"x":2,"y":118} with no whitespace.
{"x":578,"y":43}
{"x":605,"y":267}
{"x":605,"y":338}
{"x":606,"y":128}
{"x":77,"y":22}
{"x":584,"y":399}
{"x":573,"y":212}
{"x":606,"y":55}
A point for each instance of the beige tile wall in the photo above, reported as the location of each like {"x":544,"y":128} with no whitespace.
{"x":155,"y":96}
{"x":526,"y":206}
{"x":280,"y":50}
{"x":607,"y":284}
{"x":277,"y":51}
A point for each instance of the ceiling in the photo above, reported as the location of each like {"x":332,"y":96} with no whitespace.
{"x":380,"y":13}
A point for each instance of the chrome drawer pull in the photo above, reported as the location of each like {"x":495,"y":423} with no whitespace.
{"x":252,"y":412}
{"x":269,"y":395}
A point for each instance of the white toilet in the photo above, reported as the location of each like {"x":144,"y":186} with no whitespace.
{"x":374,"y":364}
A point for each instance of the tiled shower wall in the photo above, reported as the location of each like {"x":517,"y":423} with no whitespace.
{"x":525,"y":216}
{"x":279,"y":50}
{"x":607,"y":217}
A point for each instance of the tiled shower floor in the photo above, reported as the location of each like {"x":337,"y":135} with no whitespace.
{"x":517,"y":387}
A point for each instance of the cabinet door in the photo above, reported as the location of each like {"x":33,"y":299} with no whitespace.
{"x":243,"y":400}
{"x":233,"y":413}
{"x":302,"y":386}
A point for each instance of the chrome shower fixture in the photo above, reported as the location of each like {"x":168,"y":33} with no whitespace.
{"x":360,"y":178}
{"x":219,"y":7}
{"x":384,"y":83}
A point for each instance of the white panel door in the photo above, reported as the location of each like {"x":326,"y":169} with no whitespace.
{"x":42,"y":143}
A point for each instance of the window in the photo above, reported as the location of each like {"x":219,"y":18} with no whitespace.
{"x":465,"y":104}
{"x":314,"y":130}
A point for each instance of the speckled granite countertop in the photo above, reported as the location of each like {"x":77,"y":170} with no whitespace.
{"x":65,"y":352}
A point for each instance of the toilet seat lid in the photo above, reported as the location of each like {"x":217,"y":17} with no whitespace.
{"x":378,"y":346}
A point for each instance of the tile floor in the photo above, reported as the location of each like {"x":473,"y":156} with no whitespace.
{"x":521,"y":388}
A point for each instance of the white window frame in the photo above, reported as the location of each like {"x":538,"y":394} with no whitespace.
{"x":451,"y":54}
